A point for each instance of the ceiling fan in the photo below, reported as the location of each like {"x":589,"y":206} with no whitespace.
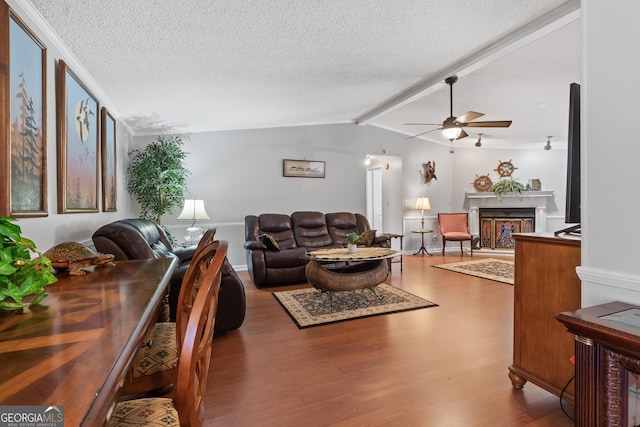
{"x":452,"y":127}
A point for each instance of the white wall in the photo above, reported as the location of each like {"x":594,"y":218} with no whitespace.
{"x":55,"y":228}
{"x":610,"y":269}
{"x":240,"y":172}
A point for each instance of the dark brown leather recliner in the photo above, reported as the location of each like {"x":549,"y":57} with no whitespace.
{"x":143,"y":239}
{"x":294,"y":235}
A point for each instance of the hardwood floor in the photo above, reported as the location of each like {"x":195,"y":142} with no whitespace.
{"x":440,"y":366}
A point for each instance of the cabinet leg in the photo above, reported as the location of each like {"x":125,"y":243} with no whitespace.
{"x":517,"y":381}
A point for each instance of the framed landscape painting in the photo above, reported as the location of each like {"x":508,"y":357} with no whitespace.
{"x":23,"y":152}
{"x":77,"y":138}
{"x":109,"y":195}
{"x":303,"y":168}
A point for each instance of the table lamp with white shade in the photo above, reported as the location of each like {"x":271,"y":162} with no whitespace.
{"x":193,"y":210}
{"x":422,"y":203}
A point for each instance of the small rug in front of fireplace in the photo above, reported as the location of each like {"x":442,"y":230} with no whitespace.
{"x":489,"y":268}
{"x":309,"y":307}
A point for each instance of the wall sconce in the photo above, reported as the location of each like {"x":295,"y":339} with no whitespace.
{"x":193,"y":210}
{"x":422,"y":203}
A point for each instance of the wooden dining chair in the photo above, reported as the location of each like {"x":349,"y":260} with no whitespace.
{"x":454,"y":227}
{"x":186,"y":408}
{"x":207,"y":238}
{"x":154,"y":369}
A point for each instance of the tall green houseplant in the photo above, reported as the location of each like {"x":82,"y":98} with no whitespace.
{"x":157,"y":178}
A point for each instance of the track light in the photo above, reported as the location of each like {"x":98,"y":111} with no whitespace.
{"x":479,"y":141}
{"x":548,"y":146}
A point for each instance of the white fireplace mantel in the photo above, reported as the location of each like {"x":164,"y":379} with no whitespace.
{"x":526,"y":199}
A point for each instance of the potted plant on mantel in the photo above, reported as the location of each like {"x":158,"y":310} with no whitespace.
{"x":506,"y":185}
{"x":157,"y":179}
{"x":23,"y":280}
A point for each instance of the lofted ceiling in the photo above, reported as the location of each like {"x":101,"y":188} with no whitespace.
{"x":200,"y":65}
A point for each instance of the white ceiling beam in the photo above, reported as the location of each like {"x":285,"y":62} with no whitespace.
{"x":546,"y":24}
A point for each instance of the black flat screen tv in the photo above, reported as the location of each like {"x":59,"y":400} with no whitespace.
{"x":572,"y":207}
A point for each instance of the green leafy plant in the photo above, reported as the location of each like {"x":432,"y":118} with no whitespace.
{"x":20,"y":275}
{"x":157,"y":178}
{"x":353,"y":237}
{"x":507,"y":185}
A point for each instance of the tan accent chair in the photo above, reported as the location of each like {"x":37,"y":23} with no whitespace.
{"x":454,"y":227}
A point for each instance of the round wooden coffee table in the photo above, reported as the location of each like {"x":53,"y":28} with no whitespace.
{"x":335,"y":270}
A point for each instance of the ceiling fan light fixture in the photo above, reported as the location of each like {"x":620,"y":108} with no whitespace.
{"x":450,"y":129}
{"x":451,"y":133}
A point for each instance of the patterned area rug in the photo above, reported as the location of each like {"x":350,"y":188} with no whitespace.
{"x":490,"y":268}
{"x":310,"y":307}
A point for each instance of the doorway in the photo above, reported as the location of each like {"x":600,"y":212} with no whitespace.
{"x":384,"y":193}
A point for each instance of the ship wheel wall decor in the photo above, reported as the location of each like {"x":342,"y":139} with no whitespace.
{"x":505,"y":168}
{"x":482,"y":183}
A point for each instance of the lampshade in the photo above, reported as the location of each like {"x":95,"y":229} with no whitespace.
{"x":422,"y":203}
{"x":193,"y":209}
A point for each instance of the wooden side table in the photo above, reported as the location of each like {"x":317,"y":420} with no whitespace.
{"x":422,"y":249}
{"x":397,"y":236}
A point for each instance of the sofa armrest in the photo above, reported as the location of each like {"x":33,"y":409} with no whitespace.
{"x":253,"y":245}
{"x":382,"y":240}
{"x":185,"y":254}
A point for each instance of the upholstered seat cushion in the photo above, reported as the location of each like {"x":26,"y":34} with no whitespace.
{"x":456,"y":235}
{"x":284,"y":259}
{"x":158,"y":411}
{"x":162,"y":354}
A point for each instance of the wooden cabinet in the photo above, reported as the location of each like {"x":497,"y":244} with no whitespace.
{"x":545,"y":284}
{"x":607,"y":342}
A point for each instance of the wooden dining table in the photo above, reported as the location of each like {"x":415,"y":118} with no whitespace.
{"x":74,"y":349}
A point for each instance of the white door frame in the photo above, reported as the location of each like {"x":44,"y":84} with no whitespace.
{"x":375,"y":211}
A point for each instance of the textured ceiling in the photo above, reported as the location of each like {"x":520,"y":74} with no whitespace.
{"x":235,"y":64}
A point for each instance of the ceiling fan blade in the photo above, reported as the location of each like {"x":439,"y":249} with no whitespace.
{"x":468,"y":116}
{"x":420,"y":134}
{"x":463,"y":134}
{"x":489,"y":124}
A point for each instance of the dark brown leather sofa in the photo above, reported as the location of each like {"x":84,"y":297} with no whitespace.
{"x":294,"y":235}
{"x":143,"y":239}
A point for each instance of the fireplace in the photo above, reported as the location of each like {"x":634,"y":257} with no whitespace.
{"x":505,"y":207}
{"x":497,"y":225}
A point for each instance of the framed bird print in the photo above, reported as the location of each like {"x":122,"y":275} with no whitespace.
{"x":77,"y":140}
